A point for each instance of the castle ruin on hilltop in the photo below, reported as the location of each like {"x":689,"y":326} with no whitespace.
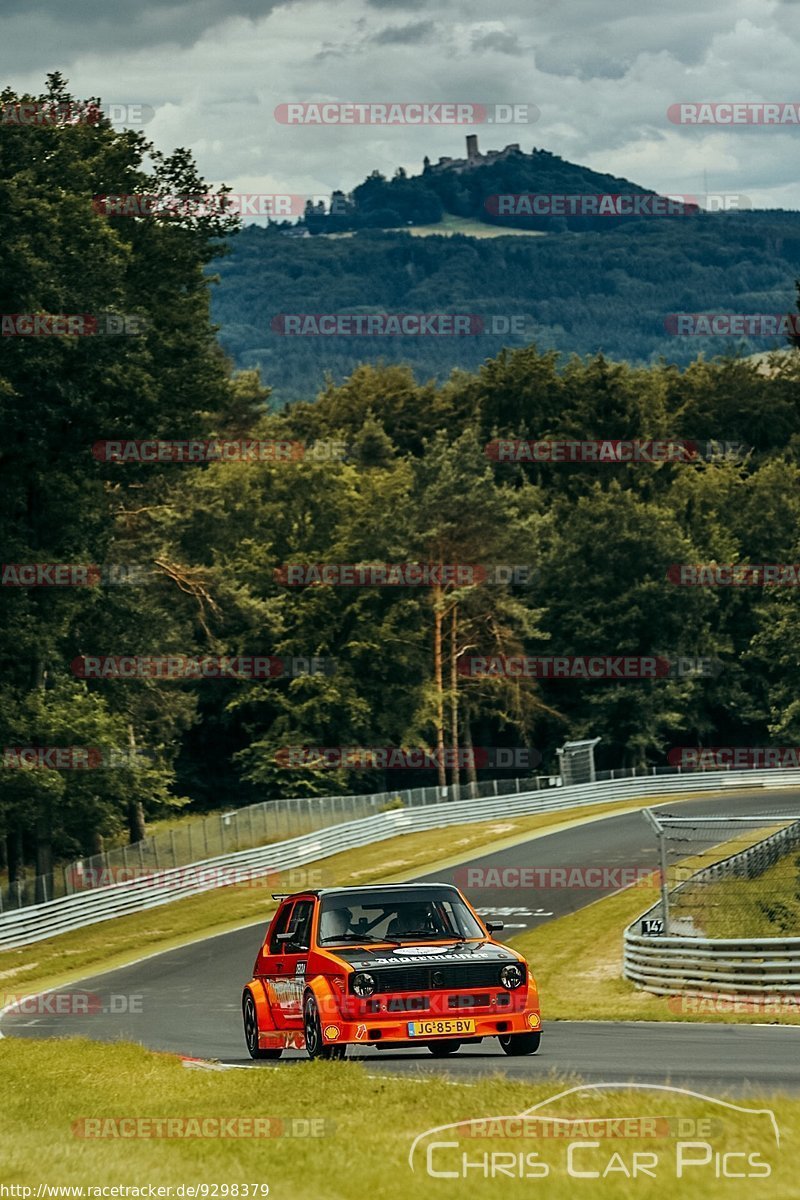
{"x":474,"y":157}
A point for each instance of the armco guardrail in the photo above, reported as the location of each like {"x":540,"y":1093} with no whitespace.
{"x":714,"y":967}
{"x":20,"y":927}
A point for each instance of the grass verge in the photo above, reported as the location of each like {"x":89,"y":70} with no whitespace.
{"x":369,"y":1124}
{"x":450,"y":224}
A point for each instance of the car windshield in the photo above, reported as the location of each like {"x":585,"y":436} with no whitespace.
{"x":396,"y":919}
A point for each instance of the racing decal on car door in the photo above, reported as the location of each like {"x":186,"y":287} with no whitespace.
{"x":288,"y":993}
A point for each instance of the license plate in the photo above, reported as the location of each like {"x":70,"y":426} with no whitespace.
{"x":440,"y":1028}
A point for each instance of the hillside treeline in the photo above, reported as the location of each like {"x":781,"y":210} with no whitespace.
{"x":613,"y":292}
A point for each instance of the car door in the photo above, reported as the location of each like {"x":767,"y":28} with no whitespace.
{"x":296,"y":946}
{"x":283,"y":961}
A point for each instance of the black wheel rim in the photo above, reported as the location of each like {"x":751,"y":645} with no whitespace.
{"x":311,"y":1028}
{"x":250,"y":1029}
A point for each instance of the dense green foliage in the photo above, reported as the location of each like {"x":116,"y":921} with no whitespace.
{"x":608,"y":292}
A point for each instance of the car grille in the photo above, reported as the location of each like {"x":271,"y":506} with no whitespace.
{"x":438,"y":977}
{"x":466,"y":1001}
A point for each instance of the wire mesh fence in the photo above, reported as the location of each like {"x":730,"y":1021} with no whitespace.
{"x":728,"y":876}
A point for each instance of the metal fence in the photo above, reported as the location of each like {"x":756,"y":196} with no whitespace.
{"x":31,"y":924}
{"x":716,"y":967}
{"x":713,"y":968}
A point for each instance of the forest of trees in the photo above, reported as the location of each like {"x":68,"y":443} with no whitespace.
{"x":392,"y":470}
{"x":582,"y":293}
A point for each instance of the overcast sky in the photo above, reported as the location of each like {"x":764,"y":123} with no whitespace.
{"x":602,"y":73}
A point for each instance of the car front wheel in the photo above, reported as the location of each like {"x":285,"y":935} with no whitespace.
{"x":251,"y":1031}
{"x":521,"y":1043}
{"x":312,"y":1028}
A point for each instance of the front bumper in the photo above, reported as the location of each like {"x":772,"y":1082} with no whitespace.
{"x":374,"y":1032}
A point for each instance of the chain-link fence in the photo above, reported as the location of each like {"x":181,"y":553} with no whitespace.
{"x":722,"y":877}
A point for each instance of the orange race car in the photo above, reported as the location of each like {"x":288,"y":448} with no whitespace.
{"x":391,"y":967}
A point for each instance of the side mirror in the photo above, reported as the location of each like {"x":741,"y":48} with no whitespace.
{"x":495,"y":926}
{"x":291,"y":944}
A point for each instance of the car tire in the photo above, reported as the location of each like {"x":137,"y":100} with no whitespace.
{"x":250,"y":1018}
{"x":521,"y":1043}
{"x":312,"y":1029}
{"x":443,"y":1049}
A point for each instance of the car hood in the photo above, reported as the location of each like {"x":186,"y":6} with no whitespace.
{"x":362,"y":958}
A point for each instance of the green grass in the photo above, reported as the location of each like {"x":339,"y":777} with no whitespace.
{"x":766,"y":906}
{"x":451,"y":224}
{"x":369,"y":1123}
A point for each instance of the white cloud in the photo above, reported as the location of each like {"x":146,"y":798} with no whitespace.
{"x":603,"y":73}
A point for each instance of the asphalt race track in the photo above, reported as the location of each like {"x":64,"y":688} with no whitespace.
{"x":188,"y":1000}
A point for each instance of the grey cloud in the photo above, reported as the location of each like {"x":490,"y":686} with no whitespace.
{"x":409,"y":5}
{"x":404,"y":35}
{"x":506,"y":43}
{"x":62,"y":32}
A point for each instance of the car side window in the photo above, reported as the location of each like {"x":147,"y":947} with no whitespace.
{"x":300,"y":926}
{"x":280,"y":926}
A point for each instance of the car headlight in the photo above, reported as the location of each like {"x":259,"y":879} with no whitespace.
{"x":363,"y":984}
{"x":512,"y":976}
